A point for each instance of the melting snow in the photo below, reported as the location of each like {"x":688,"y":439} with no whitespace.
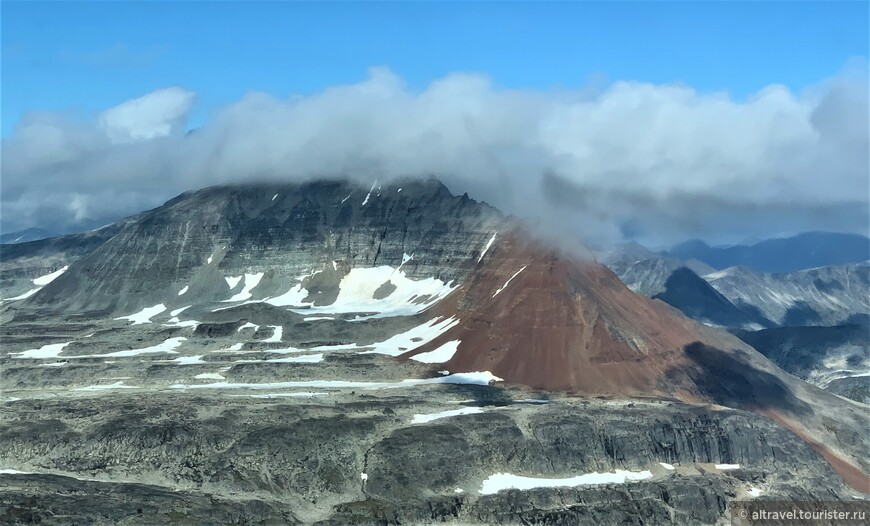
{"x":503,"y":481}
{"x":14,"y":472}
{"x":486,"y":248}
{"x":248,"y":325}
{"x":293,"y":297}
{"x":424,"y":419}
{"x":188,"y":360}
{"x":26,"y":295}
{"x":308,"y":358}
{"x":364,"y":476}
{"x":508,"y":281}
{"x":315,"y":318}
{"x":48,"y":278}
{"x":727,"y":466}
{"x":440,"y":355}
{"x":116,"y":385}
{"x":46,"y":351}
{"x":413,"y":338}
{"x":233,"y":281}
{"x":208,"y":260}
{"x":370,"y":193}
{"x":167,"y":346}
{"x":667,"y":466}
{"x":274,"y":197}
{"x":276,"y":335}
{"x":399,"y":190}
{"x":144,"y":315}
{"x":210,"y":376}
{"x":345,"y":199}
{"x":357,"y":289}
{"x":176,"y":312}
{"x":475,"y":378}
{"x":251,"y":281}
{"x":182,"y":291}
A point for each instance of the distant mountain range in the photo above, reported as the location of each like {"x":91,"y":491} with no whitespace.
{"x":803,"y":251}
{"x":26,"y":235}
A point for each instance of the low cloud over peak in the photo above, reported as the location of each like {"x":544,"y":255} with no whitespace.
{"x":660,"y":162}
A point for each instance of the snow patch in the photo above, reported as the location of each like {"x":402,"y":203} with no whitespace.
{"x":251,"y":281}
{"x":26,"y":295}
{"x":188,"y":360}
{"x":210,"y":376}
{"x":508,"y":281}
{"x":315,"y":318}
{"x":503,"y":481}
{"x":345,"y":199}
{"x":232,"y":281}
{"x":667,"y":466}
{"x":486,"y":248}
{"x":364,"y":476}
{"x":48,"y":278}
{"x":248,"y":325}
{"x":308,"y":358}
{"x":425,"y":419}
{"x":144,"y":315}
{"x":274,"y":197}
{"x":366,"y":200}
{"x":176,"y":312}
{"x":276,"y":335}
{"x":475,"y":378}
{"x":754,"y":492}
{"x":46,"y":351}
{"x":413,"y":338}
{"x":105,"y":387}
{"x":304,"y":394}
{"x":725,"y":467}
{"x":440,"y":355}
{"x":183,"y":290}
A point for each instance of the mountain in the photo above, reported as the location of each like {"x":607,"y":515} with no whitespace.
{"x":25,"y":267}
{"x":838,"y":355}
{"x":821,"y":296}
{"x":326,"y":353}
{"x":23,"y":236}
{"x":800,"y":252}
{"x":670,"y":281}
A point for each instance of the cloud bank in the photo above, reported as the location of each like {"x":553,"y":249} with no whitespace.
{"x":655,"y":162}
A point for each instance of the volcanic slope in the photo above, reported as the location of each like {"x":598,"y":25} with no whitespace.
{"x":535,"y":316}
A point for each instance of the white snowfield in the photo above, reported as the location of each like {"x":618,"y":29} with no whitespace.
{"x":725,"y":467}
{"x":183,"y":290}
{"x":248,"y":325}
{"x":504,"y":481}
{"x":52,"y":350}
{"x":42,"y":281}
{"x":440,"y":355}
{"x":754,"y":492}
{"x":425,"y":419}
{"x":413,"y":338}
{"x":357,"y":290}
{"x":144,"y":315}
{"x":509,"y":281}
{"x":232,"y":281}
{"x":475,"y":378}
{"x":210,"y":376}
{"x":667,"y":466}
{"x":251,"y":281}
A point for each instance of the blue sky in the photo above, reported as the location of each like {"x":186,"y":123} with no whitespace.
{"x":84,"y":57}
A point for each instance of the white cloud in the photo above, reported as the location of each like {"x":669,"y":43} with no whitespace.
{"x":156,"y":114}
{"x":661,"y":160}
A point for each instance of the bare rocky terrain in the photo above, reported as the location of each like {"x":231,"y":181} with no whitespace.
{"x":330,"y":354}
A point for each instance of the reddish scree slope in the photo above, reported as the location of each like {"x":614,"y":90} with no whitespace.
{"x":564,"y":324}
{"x":535,"y":317}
